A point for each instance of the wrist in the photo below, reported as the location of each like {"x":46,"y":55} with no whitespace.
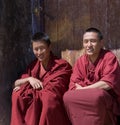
{"x":17,"y":83}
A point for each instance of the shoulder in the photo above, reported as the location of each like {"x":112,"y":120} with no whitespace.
{"x":108,"y":58}
{"x":81,"y":60}
{"x":61,"y":62}
{"x":107,"y":54}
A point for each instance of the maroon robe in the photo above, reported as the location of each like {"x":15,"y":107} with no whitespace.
{"x":42,"y":107}
{"x":94,"y":106}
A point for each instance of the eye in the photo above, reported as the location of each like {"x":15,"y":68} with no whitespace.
{"x":93,"y":40}
{"x":85,"y":41}
{"x":36,"y":49}
{"x":42,"y":48}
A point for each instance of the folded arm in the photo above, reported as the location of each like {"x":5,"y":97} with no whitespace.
{"x":35,"y":83}
{"x":99,"y":84}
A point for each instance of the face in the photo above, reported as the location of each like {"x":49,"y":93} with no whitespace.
{"x":92,"y":44}
{"x":41,"y":51}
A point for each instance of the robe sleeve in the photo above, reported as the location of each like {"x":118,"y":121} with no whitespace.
{"x":111,"y":73}
{"x":77,"y":76}
{"x":59,"y":80}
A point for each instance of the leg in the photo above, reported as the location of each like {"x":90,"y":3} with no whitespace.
{"x":88,"y":106}
{"x":18,"y":109}
{"x":53,"y":112}
{"x":24,"y":105}
{"x":33,"y":112}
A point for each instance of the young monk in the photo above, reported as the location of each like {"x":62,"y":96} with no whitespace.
{"x":94,"y":91}
{"x":37,"y":95}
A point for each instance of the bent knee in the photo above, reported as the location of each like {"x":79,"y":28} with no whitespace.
{"x":68,"y":97}
{"x":91,"y":96}
{"x":96,"y":97}
{"x":102,"y":97}
{"x":15,"y":95}
{"x":98,"y":94}
{"x":50,"y":100}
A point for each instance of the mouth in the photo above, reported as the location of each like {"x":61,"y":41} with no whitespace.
{"x":90,"y":50}
{"x":40,"y":56}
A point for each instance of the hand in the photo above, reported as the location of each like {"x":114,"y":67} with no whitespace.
{"x":16,"y":88}
{"x":35,"y":83}
{"x":78,"y":86}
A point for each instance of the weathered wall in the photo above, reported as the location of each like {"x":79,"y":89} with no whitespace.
{"x":72,"y":17}
{"x":15,"y":31}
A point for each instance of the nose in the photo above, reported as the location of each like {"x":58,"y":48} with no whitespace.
{"x":89,"y":43}
{"x":39,"y":51}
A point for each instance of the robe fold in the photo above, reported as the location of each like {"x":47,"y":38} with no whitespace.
{"x":94,"y":106}
{"x":42,"y":107}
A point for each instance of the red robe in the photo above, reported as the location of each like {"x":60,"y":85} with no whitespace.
{"x":42,"y":107}
{"x":94,"y":106}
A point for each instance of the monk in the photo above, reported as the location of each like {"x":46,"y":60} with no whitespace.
{"x":94,"y":91}
{"x":37,"y":95}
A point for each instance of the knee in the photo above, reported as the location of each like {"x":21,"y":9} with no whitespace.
{"x":98,"y":97}
{"x":92,"y":96}
{"x":50,"y":101}
{"x":49,"y":105}
{"x":15,"y":96}
{"x":67,"y":97}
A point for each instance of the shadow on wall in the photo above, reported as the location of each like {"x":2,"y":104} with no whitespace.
{"x":5,"y":105}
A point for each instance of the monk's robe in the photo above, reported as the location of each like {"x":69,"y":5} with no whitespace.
{"x":45,"y":106}
{"x":94,"y":106}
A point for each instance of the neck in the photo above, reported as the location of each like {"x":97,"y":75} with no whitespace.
{"x":45,"y":62}
{"x":93,"y":58}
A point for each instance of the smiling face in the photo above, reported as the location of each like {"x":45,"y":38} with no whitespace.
{"x":41,"y":51}
{"x":92,"y":44}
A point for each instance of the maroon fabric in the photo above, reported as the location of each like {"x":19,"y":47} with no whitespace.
{"x":105,"y":68}
{"x":89,"y":107}
{"x":42,"y":107}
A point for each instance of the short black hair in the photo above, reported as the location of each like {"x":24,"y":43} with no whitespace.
{"x":41,"y":36}
{"x":92,"y":29}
